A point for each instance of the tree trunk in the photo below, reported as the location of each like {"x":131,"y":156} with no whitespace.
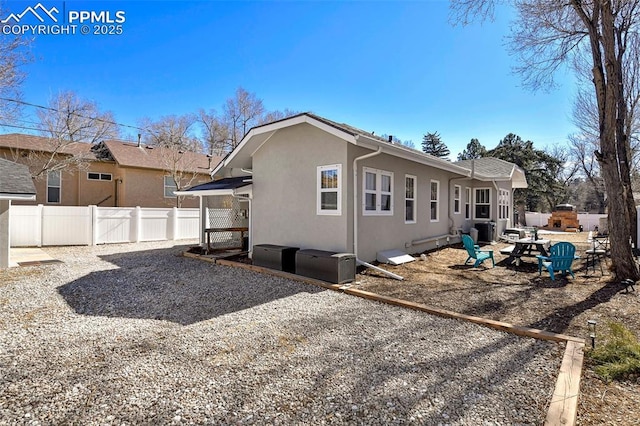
{"x":608,"y":90}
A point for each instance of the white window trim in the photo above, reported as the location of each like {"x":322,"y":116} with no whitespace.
{"x":475,"y":203}
{"x":415,"y":198}
{"x":504,"y":198}
{"x":467,"y":204}
{"x":59,"y":188}
{"x":378,"y":191}
{"x":437,"y":201}
{"x":164,"y":187}
{"x":458,"y":199}
{"x":319,"y":210}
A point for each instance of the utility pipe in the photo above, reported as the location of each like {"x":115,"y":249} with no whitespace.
{"x":355,"y":215}
{"x":368,"y":265}
{"x":428,"y":240}
{"x":355,"y":195}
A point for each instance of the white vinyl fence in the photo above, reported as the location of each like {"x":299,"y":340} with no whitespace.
{"x":588,"y":220}
{"x":61,"y":225}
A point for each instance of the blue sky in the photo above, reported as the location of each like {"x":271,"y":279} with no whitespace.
{"x":394,"y":67}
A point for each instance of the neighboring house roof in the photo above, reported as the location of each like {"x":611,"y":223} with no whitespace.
{"x":218,"y":187}
{"x":144,"y":156}
{"x":490,"y":168}
{"x":44,"y":144}
{"x":15,"y":182}
{"x":241,"y":156}
{"x":126,"y":154}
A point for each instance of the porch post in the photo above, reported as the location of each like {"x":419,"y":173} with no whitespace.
{"x":5,"y":233}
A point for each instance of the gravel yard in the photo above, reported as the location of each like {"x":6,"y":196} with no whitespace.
{"x":135,"y":333}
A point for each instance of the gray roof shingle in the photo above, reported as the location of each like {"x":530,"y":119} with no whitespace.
{"x":489,"y":166}
{"x":15,"y":179}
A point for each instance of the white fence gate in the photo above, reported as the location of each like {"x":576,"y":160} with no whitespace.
{"x":61,"y":225}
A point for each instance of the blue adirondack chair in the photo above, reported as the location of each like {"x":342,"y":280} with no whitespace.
{"x":560,"y":259}
{"x":475,"y":253}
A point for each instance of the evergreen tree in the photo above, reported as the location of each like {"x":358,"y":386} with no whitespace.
{"x":432,"y":144}
{"x":474,"y":150}
{"x":541,"y":170}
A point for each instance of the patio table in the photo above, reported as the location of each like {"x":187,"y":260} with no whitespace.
{"x":526,"y":247}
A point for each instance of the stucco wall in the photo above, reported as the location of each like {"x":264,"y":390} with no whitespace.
{"x":377,"y":233}
{"x":145,"y":188}
{"x":96,"y":192}
{"x":284,"y":190}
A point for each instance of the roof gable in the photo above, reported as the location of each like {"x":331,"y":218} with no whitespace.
{"x":149,"y":157}
{"x":491,"y":168}
{"x":241,"y":156}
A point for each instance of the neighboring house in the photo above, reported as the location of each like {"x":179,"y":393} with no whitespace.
{"x":110,"y":174}
{"x":309,"y":182}
{"x":15,"y":184}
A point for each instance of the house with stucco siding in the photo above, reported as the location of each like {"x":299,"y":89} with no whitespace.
{"x":309,"y":182}
{"x":110,"y":174}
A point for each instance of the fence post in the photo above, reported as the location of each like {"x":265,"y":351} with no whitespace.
{"x":173,"y":224}
{"x":94,"y":224}
{"x":138,"y":224}
{"x":40,"y":224}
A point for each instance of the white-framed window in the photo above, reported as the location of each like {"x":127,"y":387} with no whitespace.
{"x":410,"y":205}
{"x":54,"y":187}
{"x":457,"y":192}
{"x":377,"y":192}
{"x":169,"y":187}
{"x":467,"y":204}
{"x":482,"y":203}
{"x":435,"y":200}
{"x":503,"y":204}
{"x":99,"y":176}
{"x":329,"y":198}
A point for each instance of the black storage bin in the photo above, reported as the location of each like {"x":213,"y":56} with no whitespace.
{"x":281,"y":258}
{"x":327,"y":266}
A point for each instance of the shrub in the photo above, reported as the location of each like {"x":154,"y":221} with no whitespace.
{"x":619,"y":357}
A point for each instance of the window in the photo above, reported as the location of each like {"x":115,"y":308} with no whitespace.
{"x":435,"y":200}
{"x":329,"y":200}
{"x":467,"y":204}
{"x":169,"y":187}
{"x":409,"y":199}
{"x":503,"y":204}
{"x":482,"y":203}
{"x":377,"y":192}
{"x":457,"y":190}
{"x":54,"y":187}
{"x":98,"y":176}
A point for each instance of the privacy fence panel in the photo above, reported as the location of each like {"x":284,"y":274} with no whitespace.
{"x":26,"y":226}
{"x":62,"y":225}
{"x":114,"y":225}
{"x":66,"y":226}
{"x":155,"y":224}
{"x":588,"y":220}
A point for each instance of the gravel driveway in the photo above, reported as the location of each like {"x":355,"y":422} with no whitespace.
{"x":136,"y":334}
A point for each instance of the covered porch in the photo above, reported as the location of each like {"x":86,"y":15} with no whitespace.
{"x":225,"y":218}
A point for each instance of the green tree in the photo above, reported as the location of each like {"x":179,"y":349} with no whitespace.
{"x":541,"y":170}
{"x":432,"y":144}
{"x":474,"y":150}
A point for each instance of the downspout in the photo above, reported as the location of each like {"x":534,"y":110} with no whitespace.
{"x":449,"y":214}
{"x":355,"y":214}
